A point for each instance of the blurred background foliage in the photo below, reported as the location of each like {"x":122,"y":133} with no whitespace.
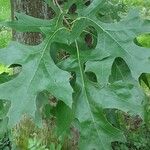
{"x":5,"y":33}
{"x":5,"y":14}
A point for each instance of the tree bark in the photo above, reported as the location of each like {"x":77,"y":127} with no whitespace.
{"x":35,"y":8}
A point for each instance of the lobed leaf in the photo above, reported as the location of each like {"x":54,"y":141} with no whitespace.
{"x":38,"y":73}
{"x":115,"y":64}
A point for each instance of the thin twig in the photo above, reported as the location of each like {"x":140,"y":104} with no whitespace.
{"x":56,"y":2}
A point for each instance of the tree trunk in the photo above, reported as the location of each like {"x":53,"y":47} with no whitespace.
{"x":35,"y":8}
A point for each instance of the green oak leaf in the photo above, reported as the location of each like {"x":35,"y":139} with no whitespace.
{"x":115,"y":63}
{"x":122,"y":92}
{"x":121,"y":41}
{"x":92,"y":98}
{"x":38,"y":73}
{"x":25,"y":23}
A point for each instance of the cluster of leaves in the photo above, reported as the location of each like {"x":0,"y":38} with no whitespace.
{"x":100,"y":70}
{"x":28,"y":136}
{"x":137,"y":137}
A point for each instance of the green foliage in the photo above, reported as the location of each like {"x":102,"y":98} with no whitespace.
{"x":140,"y":3}
{"x":34,"y":144}
{"x":26,"y":135}
{"x":5,"y":10}
{"x":137,"y":134}
{"x":5,"y":33}
{"x":144,"y":40}
{"x":98,"y":73}
{"x":5,"y":37}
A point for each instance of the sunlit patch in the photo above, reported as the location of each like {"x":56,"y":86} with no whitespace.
{"x":9,"y":73}
{"x":143,"y":40}
{"x":144,"y":80}
{"x":5,"y":69}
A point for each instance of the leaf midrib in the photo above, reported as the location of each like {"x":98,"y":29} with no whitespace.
{"x":84,"y":90}
{"x":43,"y":52}
{"x":105,"y":31}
